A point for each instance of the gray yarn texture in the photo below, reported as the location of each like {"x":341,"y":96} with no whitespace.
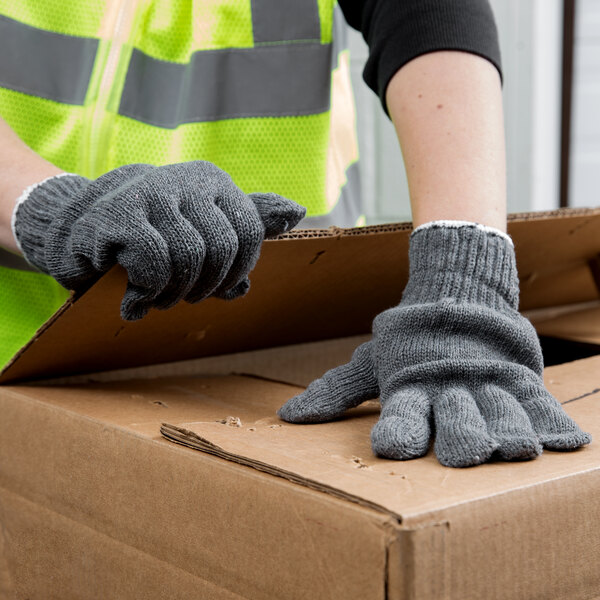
{"x":454,"y":362}
{"x":182,"y":232}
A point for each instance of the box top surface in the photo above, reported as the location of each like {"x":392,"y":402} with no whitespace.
{"x":307,"y":286}
{"x":233,"y":417}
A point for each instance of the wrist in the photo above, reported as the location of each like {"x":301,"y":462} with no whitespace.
{"x":451,"y":223}
{"x":462,"y":261}
{"x":35,"y":210}
{"x":22,"y":172}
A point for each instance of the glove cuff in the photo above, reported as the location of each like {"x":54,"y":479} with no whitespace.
{"x":37,"y":208}
{"x":462,"y":261}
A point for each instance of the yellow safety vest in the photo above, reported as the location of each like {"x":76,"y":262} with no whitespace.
{"x":261,"y":88}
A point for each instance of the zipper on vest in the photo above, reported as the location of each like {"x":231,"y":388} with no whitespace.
{"x":106,"y":84}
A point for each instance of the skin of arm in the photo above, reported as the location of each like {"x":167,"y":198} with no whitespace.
{"x":20,"y":167}
{"x":446,"y":107}
{"x":447,"y":110}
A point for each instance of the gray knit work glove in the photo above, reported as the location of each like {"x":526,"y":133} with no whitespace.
{"x":182,"y":231}
{"x":454,"y":359}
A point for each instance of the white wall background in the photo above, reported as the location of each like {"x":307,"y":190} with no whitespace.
{"x":530,"y":38}
{"x":584,"y":182}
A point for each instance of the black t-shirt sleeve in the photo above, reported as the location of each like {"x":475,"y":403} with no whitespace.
{"x":397,"y":31}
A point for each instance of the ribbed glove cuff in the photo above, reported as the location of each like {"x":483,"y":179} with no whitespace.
{"x":37,"y":208}
{"x":463,"y":261}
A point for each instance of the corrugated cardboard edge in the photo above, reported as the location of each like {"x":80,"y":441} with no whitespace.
{"x":55,"y":317}
{"x":385,"y":227}
{"x":333,"y":231}
{"x":187,"y":438}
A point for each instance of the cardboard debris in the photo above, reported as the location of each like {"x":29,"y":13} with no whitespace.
{"x":178,"y":480}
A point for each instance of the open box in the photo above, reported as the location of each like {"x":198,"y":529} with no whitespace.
{"x":145,"y":460}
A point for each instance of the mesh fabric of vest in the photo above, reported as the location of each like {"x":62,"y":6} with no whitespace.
{"x":286,"y":154}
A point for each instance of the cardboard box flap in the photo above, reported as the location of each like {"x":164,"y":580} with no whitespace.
{"x":336,"y":457}
{"x":190,"y":439}
{"x":582,"y":325}
{"x":309,"y":285}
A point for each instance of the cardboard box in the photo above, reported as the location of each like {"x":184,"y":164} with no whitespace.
{"x":177,"y":480}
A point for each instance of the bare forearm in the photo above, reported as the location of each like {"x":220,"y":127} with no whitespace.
{"x":447,"y":110}
{"x":20,"y":167}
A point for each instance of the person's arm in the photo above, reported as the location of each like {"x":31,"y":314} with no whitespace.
{"x":454,"y":361}
{"x":425,"y":54}
{"x":447,"y":110}
{"x":20,"y":167}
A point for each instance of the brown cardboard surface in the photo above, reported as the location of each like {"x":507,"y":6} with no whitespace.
{"x":7,"y":589}
{"x":90,"y":488}
{"x":310,"y":285}
{"x":342,"y":459}
{"x":579,"y":325}
{"x":96,"y":503}
{"x":297,"y":364}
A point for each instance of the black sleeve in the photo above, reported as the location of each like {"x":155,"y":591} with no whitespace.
{"x":397,"y":31}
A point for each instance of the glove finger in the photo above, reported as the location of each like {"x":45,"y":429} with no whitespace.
{"x":508,"y":424}
{"x":186,"y":249}
{"x":220,"y":245}
{"x":554,"y":428}
{"x":237,"y":291}
{"x":403,"y":430}
{"x":147,"y":261}
{"x":338,"y":390}
{"x":250,"y":231}
{"x":277,"y":213}
{"x":461,"y":438}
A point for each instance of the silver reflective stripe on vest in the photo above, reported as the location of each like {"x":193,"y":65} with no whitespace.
{"x":45,"y":64}
{"x":268,"y":81}
{"x":348,"y":209}
{"x":14,"y":261}
{"x":285,"y":20}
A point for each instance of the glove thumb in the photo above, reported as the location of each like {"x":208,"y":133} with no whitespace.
{"x":338,"y":390}
{"x":277,"y":213}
